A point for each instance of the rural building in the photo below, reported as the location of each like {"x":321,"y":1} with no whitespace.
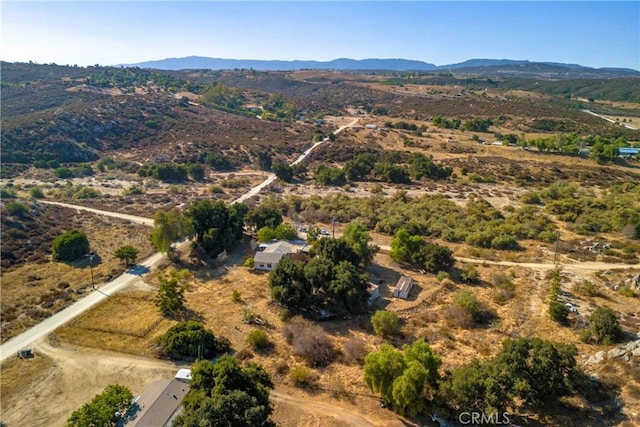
{"x":371,"y":127}
{"x":270,"y":254}
{"x":403,"y":287}
{"x":628,"y":151}
{"x":183,"y":375}
{"x":373,"y":293}
{"x":159,"y":404}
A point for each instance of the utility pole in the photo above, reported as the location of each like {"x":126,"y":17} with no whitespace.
{"x":555,"y":255}
{"x":333,"y":222}
{"x":93,"y":284}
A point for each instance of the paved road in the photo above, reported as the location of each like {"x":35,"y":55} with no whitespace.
{"x":42,"y":329}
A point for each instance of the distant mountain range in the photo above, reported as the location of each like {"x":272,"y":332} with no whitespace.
{"x":497,"y":67}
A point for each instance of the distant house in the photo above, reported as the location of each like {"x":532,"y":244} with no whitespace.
{"x":628,"y":151}
{"x":159,"y":403}
{"x":371,"y":127}
{"x":373,"y":293}
{"x":270,"y":254}
{"x":403,"y":287}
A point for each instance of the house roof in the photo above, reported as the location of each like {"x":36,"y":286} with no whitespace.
{"x":628,"y":150}
{"x":285,"y":246}
{"x":404,"y":284}
{"x":268,"y":257}
{"x":159,"y":402}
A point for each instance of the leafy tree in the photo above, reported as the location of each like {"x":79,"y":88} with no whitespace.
{"x":390,"y":172}
{"x":357,"y":237}
{"x":435,"y":258}
{"x":70,"y":246}
{"x":216,"y":226}
{"x":281,"y":232}
{"x":169,"y":227}
{"x":264,"y":161}
{"x":469,"y":274}
{"x":605,"y":328}
{"x":263,"y":216}
{"x":195,"y":171}
{"x":348,"y":289}
{"x":226,"y":395}
{"x":63,"y":172}
{"x":105,"y":409}
{"x":170,"y":297}
{"x":385,"y":323}
{"x":127,"y":254}
{"x":283,"y":171}
{"x":404,"y":246}
{"x":403,"y":378}
{"x":288,"y":284}
{"x":381,"y":368}
{"x":188,"y":339}
{"x":336,"y":250}
{"x":326,"y":175}
{"x":360,"y":167}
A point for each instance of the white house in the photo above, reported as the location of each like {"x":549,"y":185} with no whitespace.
{"x":270,"y":254}
{"x":403,"y":287}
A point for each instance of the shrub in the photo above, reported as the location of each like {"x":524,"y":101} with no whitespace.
{"x":258,"y":340}
{"x":36,"y":192}
{"x":236,"y":296}
{"x":133,"y":190}
{"x":310,"y":342}
{"x":249,"y":262}
{"x":558,"y":311}
{"x":441,"y":276}
{"x":605,"y":328}
{"x":86,"y":193}
{"x":354,"y":350}
{"x":17,"y":209}
{"x":469,"y":274}
{"x":587,"y":288}
{"x":7,"y":193}
{"x":385,"y":323}
{"x":63,"y":172}
{"x":188,"y":339}
{"x":70,"y":246}
{"x":300,"y":375}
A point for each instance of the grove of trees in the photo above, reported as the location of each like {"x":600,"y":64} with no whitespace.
{"x":189,"y":339}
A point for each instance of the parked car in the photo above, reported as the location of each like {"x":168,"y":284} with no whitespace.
{"x":324,"y":232}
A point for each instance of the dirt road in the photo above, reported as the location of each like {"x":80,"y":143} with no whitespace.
{"x":132,"y":218}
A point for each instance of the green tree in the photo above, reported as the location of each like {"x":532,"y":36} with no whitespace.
{"x":407,"y":390}
{"x":263,"y":216}
{"x":226,"y":395}
{"x":216,"y":226}
{"x":347,"y":290}
{"x":385,"y":323}
{"x":281,"y":232}
{"x":283,"y":171}
{"x":360,"y":167}
{"x":104,"y":410}
{"x":605,"y":328}
{"x":188,"y":339}
{"x":170,"y":296}
{"x":381,"y":368}
{"x":288,"y":284}
{"x":336,"y":250}
{"x":357,"y":236}
{"x":169,"y":227}
{"x":434,"y":258}
{"x":127,"y":254}
{"x":70,"y":246}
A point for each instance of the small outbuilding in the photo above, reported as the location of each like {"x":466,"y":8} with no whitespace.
{"x":403,"y":287}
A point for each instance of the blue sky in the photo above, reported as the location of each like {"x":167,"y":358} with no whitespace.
{"x":596,"y":34}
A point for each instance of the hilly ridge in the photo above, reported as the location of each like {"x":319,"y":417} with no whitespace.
{"x":504,"y":67}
